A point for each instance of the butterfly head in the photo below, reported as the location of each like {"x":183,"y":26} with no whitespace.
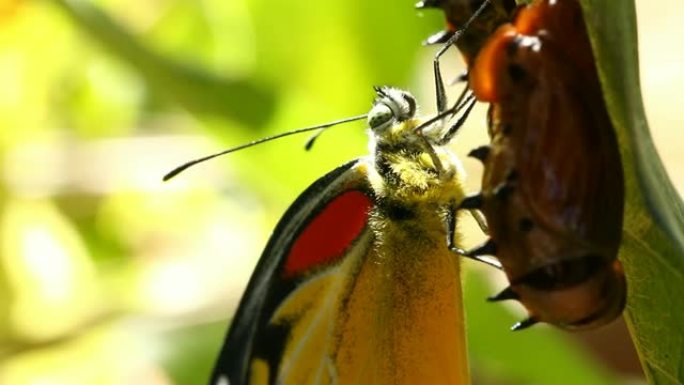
{"x":391,"y":106}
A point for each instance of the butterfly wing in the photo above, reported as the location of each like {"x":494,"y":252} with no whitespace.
{"x":326,"y":223}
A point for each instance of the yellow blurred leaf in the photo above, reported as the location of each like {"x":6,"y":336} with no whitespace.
{"x":48,"y":269}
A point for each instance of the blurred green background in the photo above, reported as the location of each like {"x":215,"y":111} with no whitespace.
{"x":109,"y":276}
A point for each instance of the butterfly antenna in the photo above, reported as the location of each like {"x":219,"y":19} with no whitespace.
{"x":321,"y":127}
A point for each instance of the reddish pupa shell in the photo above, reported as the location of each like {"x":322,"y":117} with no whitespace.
{"x":553,"y":188}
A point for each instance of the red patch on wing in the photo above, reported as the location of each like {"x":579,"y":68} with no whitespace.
{"x":330,"y":233}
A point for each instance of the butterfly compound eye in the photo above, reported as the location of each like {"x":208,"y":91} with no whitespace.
{"x":380,"y":116}
{"x":391,"y":105}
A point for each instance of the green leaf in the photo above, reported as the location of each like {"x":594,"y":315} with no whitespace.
{"x":653,"y":238}
{"x":240,"y":99}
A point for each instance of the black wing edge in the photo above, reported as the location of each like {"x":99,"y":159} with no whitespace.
{"x":232,"y":366}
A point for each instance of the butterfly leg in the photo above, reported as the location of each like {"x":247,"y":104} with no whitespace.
{"x":447,"y":39}
{"x":444,"y":113}
{"x":465,"y":100}
{"x":479,"y":253}
{"x":468,"y":105}
{"x":440,"y":37}
{"x":481,"y":221}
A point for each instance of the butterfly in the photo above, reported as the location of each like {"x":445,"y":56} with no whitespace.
{"x":553,"y":188}
{"x":360,"y":280}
